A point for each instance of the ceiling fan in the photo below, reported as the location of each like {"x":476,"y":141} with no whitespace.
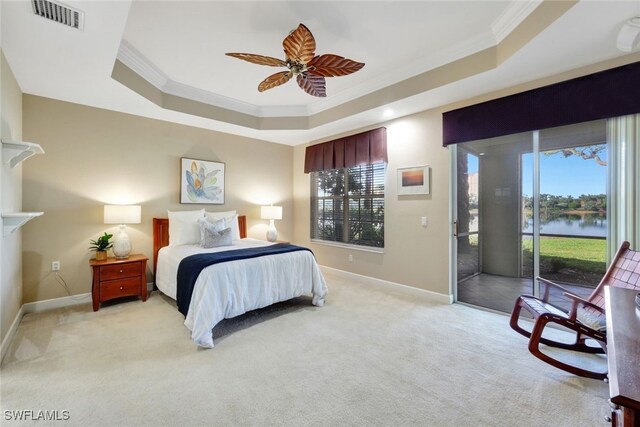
{"x":300,"y":58}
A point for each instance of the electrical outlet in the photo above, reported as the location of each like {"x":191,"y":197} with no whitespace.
{"x":423,"y":221}
{"x":350,"y":258}
{"x":55,"y":266}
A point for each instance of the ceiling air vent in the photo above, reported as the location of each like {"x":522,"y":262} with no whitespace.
{"x":58,"y":12}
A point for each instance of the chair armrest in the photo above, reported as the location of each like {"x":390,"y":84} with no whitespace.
{"x":550,"y":284}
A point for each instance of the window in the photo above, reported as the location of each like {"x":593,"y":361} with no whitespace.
{"x":347,"y":205}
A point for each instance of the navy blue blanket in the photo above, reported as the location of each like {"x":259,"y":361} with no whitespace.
{"x":191,"y":266}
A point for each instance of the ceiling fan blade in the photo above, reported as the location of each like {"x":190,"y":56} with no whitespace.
{"x":300,"y":46}
{"x":275,"y":80}
{"x":259,"y":59}
{"x":333,"y":66}
{"x":313,"y":85}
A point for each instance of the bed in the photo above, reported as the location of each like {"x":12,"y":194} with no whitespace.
{"x":229,"y":289}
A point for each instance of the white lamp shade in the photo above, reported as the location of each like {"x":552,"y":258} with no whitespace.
{"x":271,"y":212}
{"x":122,"y":214}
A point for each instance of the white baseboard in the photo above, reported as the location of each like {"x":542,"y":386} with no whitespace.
{"x":8,"y":339}
{"x":391,"y":286}
{"x":51,"y":304}
{"x":39,"y":306}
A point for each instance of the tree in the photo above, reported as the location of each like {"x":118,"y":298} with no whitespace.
{"x":587,"y":153}
{"x":464,"y":245}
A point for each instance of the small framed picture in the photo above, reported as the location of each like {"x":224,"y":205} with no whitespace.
{"x":201,"y":181}
{"x":413,"y":181}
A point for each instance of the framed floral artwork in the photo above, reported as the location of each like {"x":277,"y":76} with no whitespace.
{"x":201,"y":181}
{"x":413,"y":181}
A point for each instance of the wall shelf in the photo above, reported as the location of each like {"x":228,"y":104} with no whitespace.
{"x":11,"y":221}
{"x":14,"y":152}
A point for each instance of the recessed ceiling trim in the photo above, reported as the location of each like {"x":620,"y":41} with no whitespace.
{"x":513,"y":15}
{"x":190,"y":92}
{"x":420,"y":66}
{"x":133,"y":59}
{"x":130,"y":56}
{"x":459,"y":69}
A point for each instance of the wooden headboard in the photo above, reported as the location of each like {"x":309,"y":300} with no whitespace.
{"x":161,"y":235}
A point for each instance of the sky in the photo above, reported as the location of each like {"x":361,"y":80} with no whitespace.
{"x":560,"y":176}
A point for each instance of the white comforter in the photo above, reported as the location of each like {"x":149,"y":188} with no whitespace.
{"x":229,"y":289}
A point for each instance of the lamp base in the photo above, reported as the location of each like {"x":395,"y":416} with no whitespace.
{"x":272,"y":233}
{"x":121,"y":244}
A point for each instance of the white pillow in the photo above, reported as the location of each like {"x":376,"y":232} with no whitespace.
{"x":231,"y":220}
{"x":184,"y":228}
{"x":214,"y":216}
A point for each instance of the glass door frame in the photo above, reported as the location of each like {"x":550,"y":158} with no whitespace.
{"x":535,"y":139}
{"x":453,"y":215}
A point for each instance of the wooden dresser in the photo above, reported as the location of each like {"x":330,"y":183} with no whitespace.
{"x":623,"y":355}
{"x":115,"y":278}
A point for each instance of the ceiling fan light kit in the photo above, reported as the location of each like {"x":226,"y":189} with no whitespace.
{"x":300,"y":58}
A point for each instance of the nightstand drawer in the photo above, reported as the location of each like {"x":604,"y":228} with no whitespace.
{"x":120,"y":271}
{"x":115,"y":278}
{"x":119,"y":288}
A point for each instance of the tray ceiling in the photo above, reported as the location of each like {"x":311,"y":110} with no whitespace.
{"x":166,"y":59}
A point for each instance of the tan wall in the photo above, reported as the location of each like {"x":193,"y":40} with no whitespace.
{"x":10,"y":201}
{"x":95,"y":157}
{"x":413,"y":255}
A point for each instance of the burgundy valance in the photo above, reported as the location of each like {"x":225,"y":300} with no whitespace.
{"x":610,"y":93}
{"x":360,"y":149}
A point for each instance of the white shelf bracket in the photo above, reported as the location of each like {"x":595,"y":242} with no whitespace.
{"x":14,"y":152}
{"x":11,"y":221}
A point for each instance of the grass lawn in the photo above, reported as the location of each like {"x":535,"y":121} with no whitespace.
{"x":569,"y":252}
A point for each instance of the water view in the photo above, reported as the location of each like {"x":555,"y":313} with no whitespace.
{"x":588,"y":224}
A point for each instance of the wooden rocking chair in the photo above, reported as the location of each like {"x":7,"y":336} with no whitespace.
{"x":585,"y":317}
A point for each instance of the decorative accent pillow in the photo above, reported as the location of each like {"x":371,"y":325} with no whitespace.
{"x":213,"y":239}
{"x":231,"y":220}
{"x":184,"y":228}
{"x":212,"y":226}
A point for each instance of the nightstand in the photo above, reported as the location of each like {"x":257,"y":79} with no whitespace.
{"x":115,"y":278}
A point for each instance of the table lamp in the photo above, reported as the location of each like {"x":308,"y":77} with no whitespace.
{"x":122,"y":214}
{"x":271,"y":213}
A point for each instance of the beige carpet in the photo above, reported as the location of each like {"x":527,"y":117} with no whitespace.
{"x":367,"y":357}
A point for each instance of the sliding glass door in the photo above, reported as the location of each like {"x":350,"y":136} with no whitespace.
{"x":468,"y":230}
{"x":541,"y":208}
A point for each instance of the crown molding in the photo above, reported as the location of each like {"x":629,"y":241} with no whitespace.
{"x":133,"y":59}
{"x":419,"y":66}
{"x":398,"y":79}
{"x":193,"y":93}
{"x":512,"y":16}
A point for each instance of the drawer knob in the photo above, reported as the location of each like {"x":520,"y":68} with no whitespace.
{"x":121,"y":288}
{"x":120,"y":271}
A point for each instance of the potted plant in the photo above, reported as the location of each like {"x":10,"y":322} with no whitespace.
{"x":100,"y":245}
